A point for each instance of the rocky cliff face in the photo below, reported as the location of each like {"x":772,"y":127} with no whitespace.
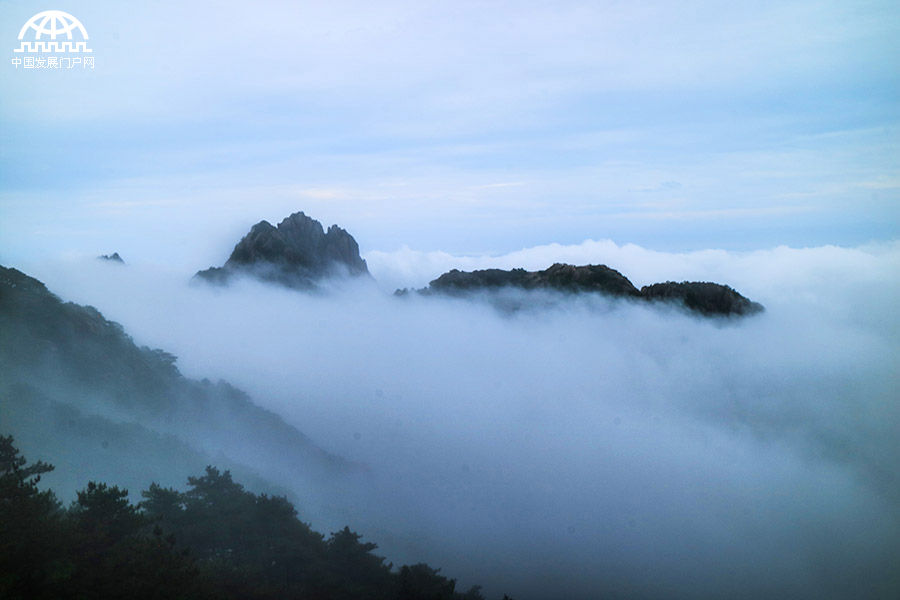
{"x":297,"y":253}
{"x":704,"y":298}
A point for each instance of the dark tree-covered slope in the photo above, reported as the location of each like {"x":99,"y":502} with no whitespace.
{"x":568,"y":278}
{"x":214,"y":541}
{"x":702,"y":297}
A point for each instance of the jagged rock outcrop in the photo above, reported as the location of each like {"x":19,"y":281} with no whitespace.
{"x":114,"y":257}
{"x":297,"y":253}
{"x":708,"y":299}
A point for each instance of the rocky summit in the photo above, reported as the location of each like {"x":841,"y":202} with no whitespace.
{"x":297,"y":253}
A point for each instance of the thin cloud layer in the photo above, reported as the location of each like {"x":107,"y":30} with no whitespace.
{"x":587,"y":448}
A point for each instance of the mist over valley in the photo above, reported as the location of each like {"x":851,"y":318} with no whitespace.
{"x":585,"y":445}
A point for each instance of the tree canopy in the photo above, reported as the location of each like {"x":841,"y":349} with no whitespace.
{"x":214,"y":540}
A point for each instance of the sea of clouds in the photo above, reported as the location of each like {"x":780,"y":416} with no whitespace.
{"x":585,"y":447}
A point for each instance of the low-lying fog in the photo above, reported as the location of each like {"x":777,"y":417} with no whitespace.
{"x":588,"y":447}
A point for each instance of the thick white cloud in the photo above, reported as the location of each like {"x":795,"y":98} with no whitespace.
{"x":590,"y":447}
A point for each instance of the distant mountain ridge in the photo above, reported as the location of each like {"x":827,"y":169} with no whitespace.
{"x":297,"y":253}
{"x":705,"y":298}
{"x":589,"y":278}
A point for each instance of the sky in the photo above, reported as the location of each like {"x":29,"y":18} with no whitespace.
{"x":467,"y":127}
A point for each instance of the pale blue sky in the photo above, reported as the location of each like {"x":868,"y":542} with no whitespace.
{"x":469,"y":127}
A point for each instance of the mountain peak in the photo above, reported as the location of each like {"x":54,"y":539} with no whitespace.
{"x":297,"y":253}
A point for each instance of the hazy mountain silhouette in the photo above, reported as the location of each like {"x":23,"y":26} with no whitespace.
{"x":72,"y":379}
{"x":114,"y":257}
